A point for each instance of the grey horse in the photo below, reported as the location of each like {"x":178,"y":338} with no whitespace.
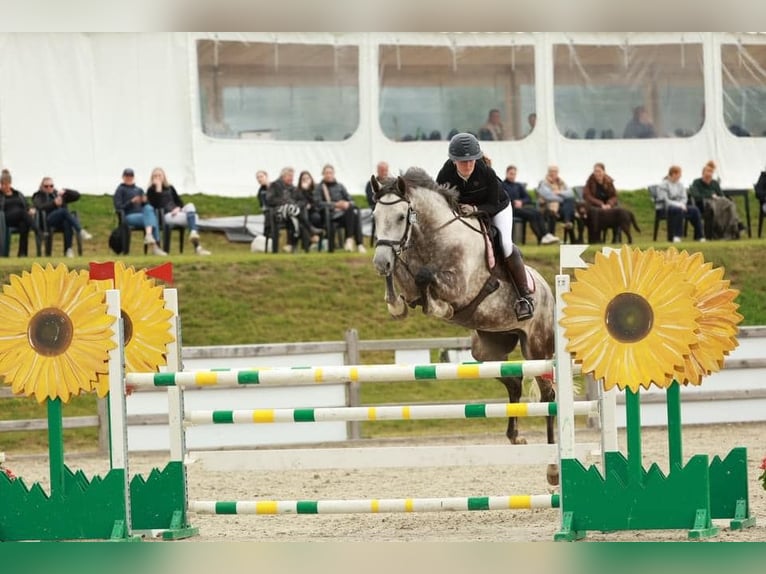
{"x":436,"y":259}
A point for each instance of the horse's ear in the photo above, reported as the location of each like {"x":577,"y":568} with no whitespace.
{"x":374,"y":183}
{"x":401,"y":185}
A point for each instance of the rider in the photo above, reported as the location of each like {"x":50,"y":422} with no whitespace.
{"x":480,"y":190}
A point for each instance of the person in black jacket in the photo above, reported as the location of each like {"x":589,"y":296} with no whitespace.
{"x":524,"y":208}
{"x":480,"y":190}
{"x":139,"y":213}
{"x":162,"y":195}
{"x":760,"y":190}
{"x":18,"y":213}
{"x":53,"y":203}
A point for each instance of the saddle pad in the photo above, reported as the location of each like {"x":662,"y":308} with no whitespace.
{"x":530,"y":281}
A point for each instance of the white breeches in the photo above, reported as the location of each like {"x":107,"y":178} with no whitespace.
{"x":503,"y":220}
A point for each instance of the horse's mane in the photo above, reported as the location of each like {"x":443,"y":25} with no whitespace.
{"x":418,"y":177}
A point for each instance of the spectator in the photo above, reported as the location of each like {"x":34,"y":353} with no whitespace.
{"x":557,"y":200}
{"x":532,"y":121}
{"x":640,"y":126}
{"x":263,"y":181}
{"x":599,"y":194}
{"x":493,"y":127}
{"x":138,"y":212}
{"x":330,"y":192}
{"x":524,"y":208}
{"x":480,"y":190}
{"x":719,"y":213}
{"x":304,"y":198}
{"x":18,"y":213}
{"x":381,"y":173}
{"x":671,"y":194}
{"x":52,"y":204}
{"x":162,"y":195}
{"x":760,"y":190}
{"x":281,"y":197}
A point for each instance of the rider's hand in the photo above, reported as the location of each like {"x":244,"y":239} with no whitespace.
{"x":467,"y":209}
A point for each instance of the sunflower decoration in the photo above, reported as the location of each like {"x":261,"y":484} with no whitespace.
{"x":717,"y":324}
{"x":55,"y":335}
{"x":146,"y":322}
{"x":630,"y":319}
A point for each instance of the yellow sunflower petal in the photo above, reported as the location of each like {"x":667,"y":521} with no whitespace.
{"x":630,"y":318}
{"x":47,"y":351}
{"x":146,"y":322}
{"x":718,"y":320}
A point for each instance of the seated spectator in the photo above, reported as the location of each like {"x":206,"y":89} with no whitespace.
{"x":281,"y":197}
{"x":162,"y":195}
{"x":381,"y":173}
{"x":492,"y":129}
{"x":556,"y":199}
{"x":52,"y":204}
{"x":640,"y":126}
{"x":18,"y":213}
{"x":718,"y":211}
{"x":304,"y":198}
{"x":139,"y":213}
{"x":524,"y":208}
{"x":263,"y":182}
{"x":760,"y":190}
{"x":599,"y":195}
{"x":330,"y":192}
{"x":532,"y":121}
{"x":672,"y":196}
{"x":739,"y":131}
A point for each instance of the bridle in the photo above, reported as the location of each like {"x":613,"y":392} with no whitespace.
{"x":401,"y":244}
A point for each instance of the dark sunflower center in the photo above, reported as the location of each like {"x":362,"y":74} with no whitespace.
{"x":629,"y":317}
{"x":127,"y":327}
{"x":50,"y":332}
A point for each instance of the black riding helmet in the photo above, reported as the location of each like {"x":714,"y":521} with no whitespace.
{"x":464,"y":147}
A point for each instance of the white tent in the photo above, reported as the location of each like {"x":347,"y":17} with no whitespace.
{"x":81,"y":107}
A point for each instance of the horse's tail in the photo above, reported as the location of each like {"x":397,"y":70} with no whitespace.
{"x":633,"y":221}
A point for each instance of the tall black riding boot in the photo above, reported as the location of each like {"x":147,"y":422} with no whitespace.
{"x":524,"y":306}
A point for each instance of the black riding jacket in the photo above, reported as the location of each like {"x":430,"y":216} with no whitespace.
{"x":483,"y":189}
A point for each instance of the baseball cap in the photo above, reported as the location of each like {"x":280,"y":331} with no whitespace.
{"x":128,"y":171}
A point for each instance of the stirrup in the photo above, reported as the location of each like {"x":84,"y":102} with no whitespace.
{"x":524,"y":308}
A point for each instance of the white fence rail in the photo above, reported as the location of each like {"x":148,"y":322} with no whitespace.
{"x":736,"y":394}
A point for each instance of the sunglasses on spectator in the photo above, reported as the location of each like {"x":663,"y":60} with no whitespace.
{"x":47,"y":185}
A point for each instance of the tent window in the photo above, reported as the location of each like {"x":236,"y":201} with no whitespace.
{"x":744,"y":89}
{"x":294,"y":92}
{"x":628,"y":91}
{"x":432,"y":92}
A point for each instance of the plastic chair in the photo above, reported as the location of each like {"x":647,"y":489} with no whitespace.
{"x":166,"y":232}
{"x":126,"y":233}
{"x":5,"y":237}
{"x":47,"y":233}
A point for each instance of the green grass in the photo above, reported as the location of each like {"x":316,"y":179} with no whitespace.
{"x":236,"y":297}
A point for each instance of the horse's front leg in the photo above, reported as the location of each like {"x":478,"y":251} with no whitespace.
{"x":432,"y":284}
{"x":396,"y":304}
{"x":438,"y":307}
{"x":397,"y":309}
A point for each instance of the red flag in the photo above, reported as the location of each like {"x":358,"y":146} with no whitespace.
{"x":162,"y":272}
{"x":101,"y":271}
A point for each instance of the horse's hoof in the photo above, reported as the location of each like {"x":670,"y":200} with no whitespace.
{"x":552,"y":474}
{"x":398,"y":310}
{"x":519,"y":440}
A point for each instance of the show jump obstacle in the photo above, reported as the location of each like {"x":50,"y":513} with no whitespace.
{"x":642,"y":315}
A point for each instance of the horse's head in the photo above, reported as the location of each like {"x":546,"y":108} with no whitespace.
{"x":393,"y":217}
